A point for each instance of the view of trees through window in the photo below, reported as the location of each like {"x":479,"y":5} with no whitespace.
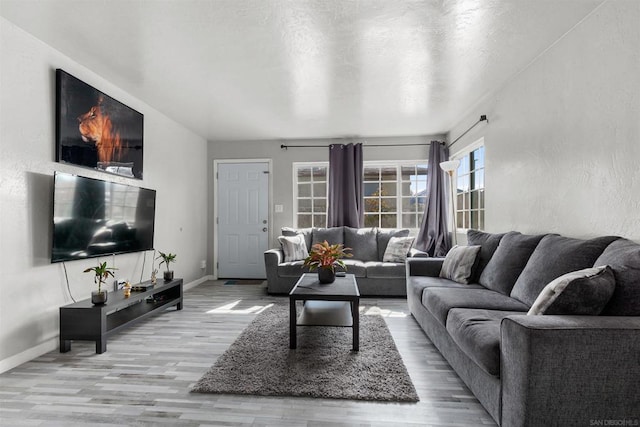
{"x":394,"y":194}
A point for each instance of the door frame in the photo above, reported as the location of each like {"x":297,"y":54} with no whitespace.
{"x":216,"y":164}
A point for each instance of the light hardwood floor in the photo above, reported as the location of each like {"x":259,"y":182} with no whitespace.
{"x":145,"y":376}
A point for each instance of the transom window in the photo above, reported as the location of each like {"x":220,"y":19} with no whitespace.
{"x":470,"y":190}
{"x":394,"y":194}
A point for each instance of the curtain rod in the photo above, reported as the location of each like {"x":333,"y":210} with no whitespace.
{"x":285,"y":147}
{"x":482,"y":119}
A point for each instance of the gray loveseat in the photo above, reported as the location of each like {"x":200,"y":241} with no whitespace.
{"x":368,"y":247}
{"x":536,"y":370}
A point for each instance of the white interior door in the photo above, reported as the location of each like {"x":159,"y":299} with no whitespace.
{"x":243,"y":214}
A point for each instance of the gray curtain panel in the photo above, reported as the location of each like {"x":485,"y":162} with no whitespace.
{"x":433,"y":236}
{"x":346,"y":202}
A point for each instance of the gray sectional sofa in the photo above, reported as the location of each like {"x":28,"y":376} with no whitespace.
{"x":375,"y":278}
{"x":536,"y":370}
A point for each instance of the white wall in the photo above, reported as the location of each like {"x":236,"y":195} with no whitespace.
{"x":32,"y":289}
{"x":563,"y":138}
{"x":282,"y":164}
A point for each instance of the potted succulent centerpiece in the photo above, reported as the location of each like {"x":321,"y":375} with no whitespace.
{"x":325,"y":258}
{"x":167,"y":259}
{"x":102,"y":272}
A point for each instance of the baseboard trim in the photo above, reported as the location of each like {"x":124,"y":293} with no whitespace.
{"x":29,"y":354}
{"x":53,"y":343}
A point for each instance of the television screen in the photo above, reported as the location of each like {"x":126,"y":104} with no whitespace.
{"x":92,"y":217}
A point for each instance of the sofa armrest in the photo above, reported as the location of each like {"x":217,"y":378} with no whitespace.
{"x":274,"y":257}
{"x":569,"y":370}
{"x":424,"y":266}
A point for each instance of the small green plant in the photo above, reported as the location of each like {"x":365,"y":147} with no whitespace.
{"x":102,"y":273}
{"x":324,"y":255}
{"x":166,"y":259}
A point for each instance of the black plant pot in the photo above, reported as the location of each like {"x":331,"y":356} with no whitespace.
{"x":168,"y":276}
{"x":98,"y":298}
{"x":326,"y":275}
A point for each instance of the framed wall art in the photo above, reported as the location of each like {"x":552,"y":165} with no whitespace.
{"x":96,"y":131}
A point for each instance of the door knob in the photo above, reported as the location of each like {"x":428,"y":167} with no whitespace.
{"x":264,"y":229}
{"x":264,"y":221}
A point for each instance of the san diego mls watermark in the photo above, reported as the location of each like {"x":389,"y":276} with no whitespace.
{"x":621,"y":422}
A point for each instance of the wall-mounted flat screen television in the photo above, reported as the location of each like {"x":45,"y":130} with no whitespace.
{"x":92,"y":218}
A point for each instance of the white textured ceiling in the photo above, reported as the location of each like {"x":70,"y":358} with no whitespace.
{"x":271,"y":69}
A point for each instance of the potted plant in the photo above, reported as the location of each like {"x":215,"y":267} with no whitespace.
{"x":325,"y":258}
{"x":167,"y":259}
{"x":102,"y":272}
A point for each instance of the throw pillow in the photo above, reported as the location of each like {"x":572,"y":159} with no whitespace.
{"x":294,"y":247}
{"x":397,"y":249}
{"x":488,"y":243}
{"x":384,"y":234}
{"x":583,"y":292}
{"x":458,"y":263}
{"x":306,"y":232}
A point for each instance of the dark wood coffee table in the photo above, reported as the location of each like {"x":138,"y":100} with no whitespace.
{"x":334,"y":304}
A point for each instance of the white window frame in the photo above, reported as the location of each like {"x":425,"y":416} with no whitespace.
{"x":459,"y":155}
{"x":374,"y":163}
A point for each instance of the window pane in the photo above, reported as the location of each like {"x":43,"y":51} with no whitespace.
{"x":388,"y":189}
{"x":389,"y":173}
{"x":304,"y":174}
{"x":304,"y":221}
{"x":481,"y":199}
{"x":481,"y":220}
{"x":422,"y":203}
{"x":460,"y":219}
{"x":371,"y":204}
{"x":304,"y":190}
{"x":371,"y":221}
{"x":474,"y":199}
{"x":478,"y":179}
{"x":478,"y":158}
{"x":371,"y":174}
{"x":319,"y":205}
{"x":464,"y":166}
{"x":304,"y":205}
{"x":388,"y":204}
{"x":371,"y":189}
{"x":463,"y":183}
{"x":407,"y":188}
{"x":388,"y":221}
{"x":409,"y":221}
{"x":319,"y":220}
{"x":474,"y":219}
{"x":319,"y":190}
{"x":320,"y":173}
{"x":408,"y":204}
{"x":407,"y":172}
{"x":460,"y":202}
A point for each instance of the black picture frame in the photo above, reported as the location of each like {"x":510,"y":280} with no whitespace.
{"x":94,"y":130}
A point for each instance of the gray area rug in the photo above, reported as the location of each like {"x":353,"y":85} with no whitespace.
{"x":260,"y":362}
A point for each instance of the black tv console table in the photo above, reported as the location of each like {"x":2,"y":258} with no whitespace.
{"x":84,"y":321}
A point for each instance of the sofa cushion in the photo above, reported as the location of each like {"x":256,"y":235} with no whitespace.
{"x":397,"y":249}
{"x":332,"y":235}
{"x":383,"y":270}
{"x":488,"y":243}
{"x":583,"y":292}
{"x":363,"y":243}
{"x":623,"y":256}
{"x":306,"y":232}
{"x":440,"y":300}
{"x":417,"y":284}
{"x":458,"y":263}
{"x":384,"y":234}
{"x":554,"y":256}
{"x":294,"y":247}
{"x":508,"y":261}
{"x":292,"y":269}
{"x":477,"y":333}
{"x":354,"y":266}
